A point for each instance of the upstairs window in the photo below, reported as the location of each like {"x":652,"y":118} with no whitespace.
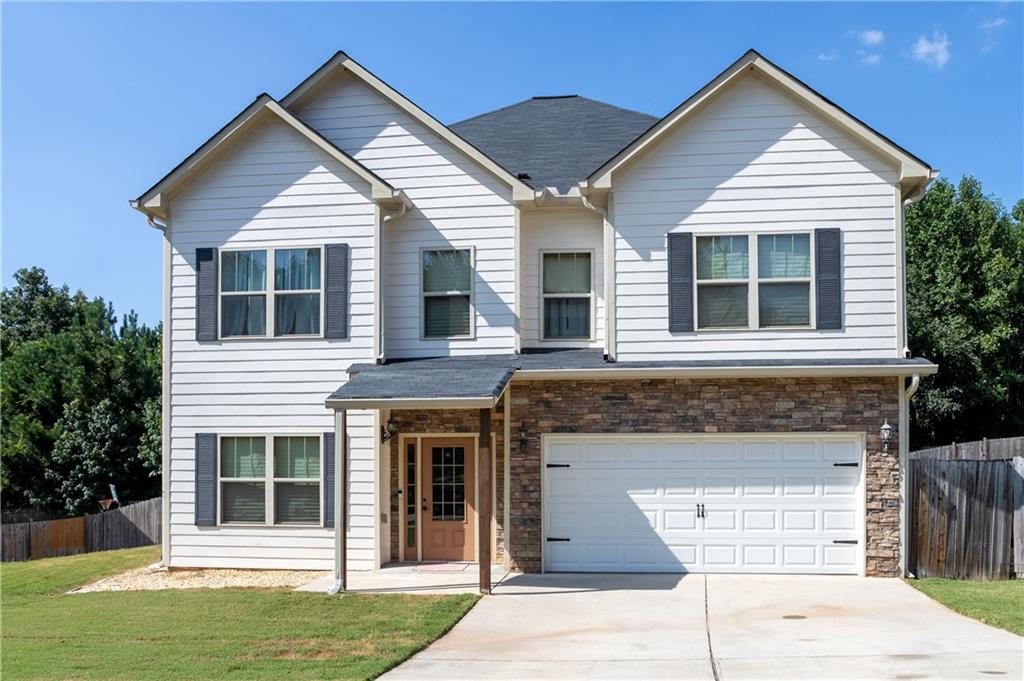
{"x":723,"y":281}
{"x":784,"y":280}
{"x":568,"y":295}
{"x":776,"y":295}
{"x":447,"y":282}
{"x":243,"y":301}
{"x":295,"y":290}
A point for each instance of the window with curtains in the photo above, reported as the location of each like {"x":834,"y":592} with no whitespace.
{"x":777,"y":295}
{"x":447,"y":283}
{"x":284,"y":490}
{"x":288,"y":302}
{"x":568,"y":295}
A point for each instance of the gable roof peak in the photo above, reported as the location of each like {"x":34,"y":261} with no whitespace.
{"x":915,"y":174}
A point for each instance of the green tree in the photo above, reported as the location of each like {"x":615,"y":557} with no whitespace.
{"x":965,"y":310}
{"x":76,"y":389}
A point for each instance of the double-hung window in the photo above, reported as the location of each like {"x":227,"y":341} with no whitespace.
{"x":447,"y":284}
{"x":282,"y":491}
{"x":784,"y":279}
{"x":243,"y":297}
{"x":295,"y":292}
{"x":778,"y":294}
{"x":568,"y":295}
{"x":723,"y":281}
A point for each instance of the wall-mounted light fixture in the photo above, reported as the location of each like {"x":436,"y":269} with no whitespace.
{"x":524,"y":438}
{"x":389,"y":430}
{"x":886,"y":433}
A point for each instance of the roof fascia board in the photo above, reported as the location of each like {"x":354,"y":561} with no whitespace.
{"x":911,"y":168}
{"x":414,"y":403}
{"x":796,"y":371}
{"x":520,"y":190}
{"x":154,"y":200}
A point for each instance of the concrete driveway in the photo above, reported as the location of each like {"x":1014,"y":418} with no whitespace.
{"x":716,"y":627}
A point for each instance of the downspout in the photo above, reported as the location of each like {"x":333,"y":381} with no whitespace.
{"x":904,"y":464}
{"x":609,"y":277}
{"x":381,"y":285}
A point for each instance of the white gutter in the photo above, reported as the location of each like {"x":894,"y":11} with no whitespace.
{"x":614,"y":372}
{"x":415,"y":403}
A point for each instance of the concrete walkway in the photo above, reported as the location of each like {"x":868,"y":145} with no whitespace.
{"x":724,"y":627}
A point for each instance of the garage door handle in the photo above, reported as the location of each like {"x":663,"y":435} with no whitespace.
{"x":851,"y":464}
{"x":558,"y":539}
{"x":845,"y":541}
{"x":558,"y":465}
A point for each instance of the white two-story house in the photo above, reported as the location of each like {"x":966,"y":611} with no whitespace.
{"x":562,"y":335}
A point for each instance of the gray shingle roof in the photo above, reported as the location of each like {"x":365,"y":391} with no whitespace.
{"x":485,"y":376}
{"x":557,"y":141}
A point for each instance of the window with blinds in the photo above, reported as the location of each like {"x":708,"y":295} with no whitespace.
{"x":285,"y":492}
{"x":568,"y":295}
{"x":447,"y":284}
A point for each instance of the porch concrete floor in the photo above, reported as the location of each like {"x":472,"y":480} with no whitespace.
{"x":404,"y":578}
{"x":724,"y":627}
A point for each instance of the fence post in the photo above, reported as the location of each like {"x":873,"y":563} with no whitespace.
{"x":1017,"y":504}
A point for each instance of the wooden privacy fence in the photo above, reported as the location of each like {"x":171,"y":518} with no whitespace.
{"x":967,"y":514}
{"x":985,"y":449}
{"x":121,"y":528}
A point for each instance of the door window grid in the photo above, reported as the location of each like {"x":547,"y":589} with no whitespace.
{"x":448,"y":472}
{"x":411,"y":489}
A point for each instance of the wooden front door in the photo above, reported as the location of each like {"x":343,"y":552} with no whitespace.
{"x":448,"y":498}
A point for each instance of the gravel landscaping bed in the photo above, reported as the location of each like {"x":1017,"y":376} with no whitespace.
{"x":154,"y":578}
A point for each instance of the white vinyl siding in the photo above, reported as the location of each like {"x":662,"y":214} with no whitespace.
{"x":273,"y":189}
{"x":566,"y":229}
{"x":754,"y":162}
{"x":457,"y":205}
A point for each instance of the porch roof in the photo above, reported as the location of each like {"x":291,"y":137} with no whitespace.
{"x":478,"y":381}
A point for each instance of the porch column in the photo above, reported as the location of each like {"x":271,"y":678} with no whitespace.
{"x":340,"y":498}
{"x":483,"y":510}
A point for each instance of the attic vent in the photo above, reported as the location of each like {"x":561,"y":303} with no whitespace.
{"x":555,"y":96}
{"x":522,"y":176}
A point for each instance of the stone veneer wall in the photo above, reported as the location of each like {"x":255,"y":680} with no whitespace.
{"x":706,"y":406}
{"x":447,"y":422}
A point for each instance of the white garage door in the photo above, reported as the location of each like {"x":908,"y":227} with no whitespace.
{"x":772,"y":503}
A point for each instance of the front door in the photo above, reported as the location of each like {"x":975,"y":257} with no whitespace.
{"x":448,"y":498}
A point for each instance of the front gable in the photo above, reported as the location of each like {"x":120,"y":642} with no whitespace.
{"x":913,"y":173}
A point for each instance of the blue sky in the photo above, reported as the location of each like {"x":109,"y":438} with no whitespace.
{"x":99,"y":101}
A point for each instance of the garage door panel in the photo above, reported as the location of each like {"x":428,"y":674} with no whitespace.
{"x":760,"y":520}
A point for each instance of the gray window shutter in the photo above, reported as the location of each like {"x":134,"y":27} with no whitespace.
{"x":206,"y":294}
{"x":336,"y":291}
{"x":206,"y":479}
{"x":329,"y":479}
{"x":828,"y":281}
{"x":680,"y":282}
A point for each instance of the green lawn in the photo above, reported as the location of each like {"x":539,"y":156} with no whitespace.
{"x":211,"y":634}
{"x":1000,"y":604}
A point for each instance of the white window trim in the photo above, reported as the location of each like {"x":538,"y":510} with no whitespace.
{"x":423,"y":295}
{"x":752,"y":281}
{"x":270,"y":291}
{"x":268,"y":480}
{"x":591,"y":295}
